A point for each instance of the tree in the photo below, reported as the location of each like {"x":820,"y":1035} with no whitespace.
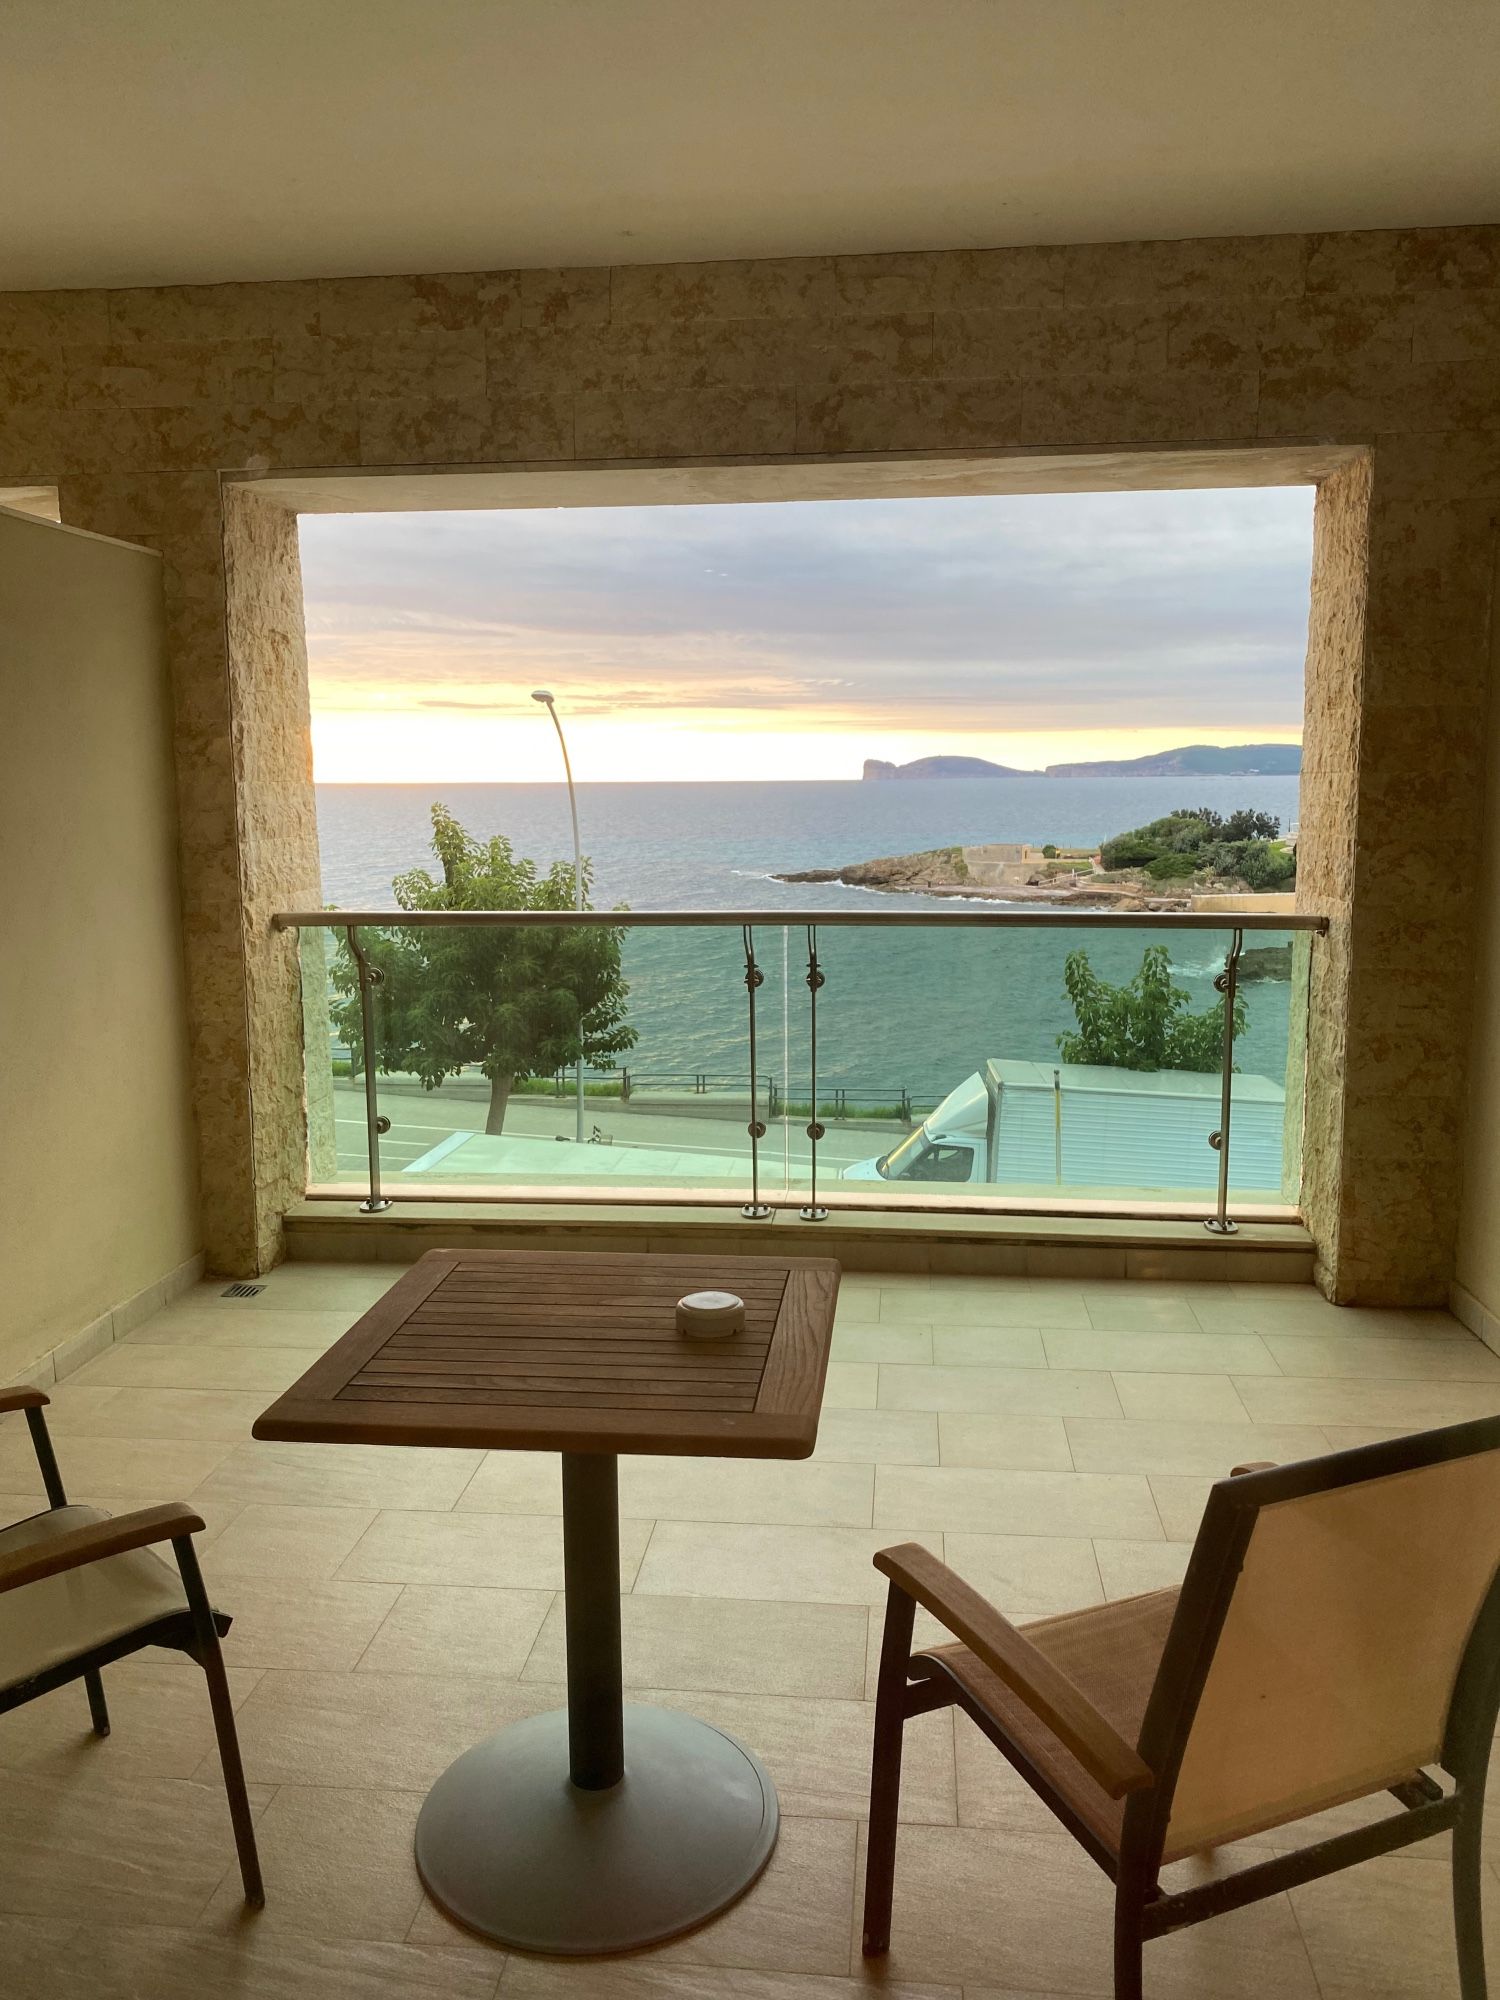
{"x":1144,"y":1024}
{"x":511,"y":1002}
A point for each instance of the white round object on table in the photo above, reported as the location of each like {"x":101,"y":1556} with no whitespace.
{"x":710,"y":1315}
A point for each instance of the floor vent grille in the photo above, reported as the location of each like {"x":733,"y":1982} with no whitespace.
{"x":241,"y":1291}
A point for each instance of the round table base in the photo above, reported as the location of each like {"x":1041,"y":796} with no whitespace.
{"x":508,"y":1845}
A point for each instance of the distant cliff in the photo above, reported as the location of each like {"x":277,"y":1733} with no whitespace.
{"x":942,"y":767}
{"x":1240,"y":760}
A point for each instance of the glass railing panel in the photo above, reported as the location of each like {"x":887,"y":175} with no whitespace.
{"x":1045,"y":1063}
{"x":495,"y":1106}
{"x":1025,"y":1063}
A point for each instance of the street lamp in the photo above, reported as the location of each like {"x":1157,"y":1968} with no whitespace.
{"x":549,"y":701}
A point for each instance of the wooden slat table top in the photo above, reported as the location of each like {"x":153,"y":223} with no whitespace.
{"x":574,"y":1351}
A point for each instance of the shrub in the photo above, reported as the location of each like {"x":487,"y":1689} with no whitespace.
{"x":1172,"y":866}
{"x":1144,"y":1024}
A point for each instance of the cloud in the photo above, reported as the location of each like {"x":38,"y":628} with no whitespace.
{"x":1046,"y":611}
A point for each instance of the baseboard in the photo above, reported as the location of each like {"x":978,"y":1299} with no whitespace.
{"x":57,"y":1363}
{"x":1467,"y":1310}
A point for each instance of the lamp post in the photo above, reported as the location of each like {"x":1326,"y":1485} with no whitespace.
{"x":549,"y":701}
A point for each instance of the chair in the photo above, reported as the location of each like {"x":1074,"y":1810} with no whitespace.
{"x":1338,"y":1631}
{"x":80,"y":1588}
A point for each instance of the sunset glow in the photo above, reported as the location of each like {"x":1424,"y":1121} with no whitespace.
{"x":795,"y":641}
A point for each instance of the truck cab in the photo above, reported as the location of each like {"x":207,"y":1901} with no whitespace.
{"x":1035,"y":1127}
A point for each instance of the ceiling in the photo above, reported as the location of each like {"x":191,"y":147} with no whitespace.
{"x":167,"y":141}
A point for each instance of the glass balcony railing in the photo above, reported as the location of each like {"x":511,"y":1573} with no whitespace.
{"x":1042,"y":1061}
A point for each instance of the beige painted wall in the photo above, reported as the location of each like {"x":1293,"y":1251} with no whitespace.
{"x":137,"y":403}
{"x":98,"y":1176}
{"x":1477,"y":1264}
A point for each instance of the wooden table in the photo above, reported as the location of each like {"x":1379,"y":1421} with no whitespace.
{"x":599,"y":1827}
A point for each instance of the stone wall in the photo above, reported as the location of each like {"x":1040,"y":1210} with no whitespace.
{"x":137,"y":402}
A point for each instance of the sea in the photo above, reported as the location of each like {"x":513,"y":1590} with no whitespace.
{"x":899,"y":1011}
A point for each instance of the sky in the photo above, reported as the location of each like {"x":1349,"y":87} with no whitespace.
{"x":796,"y":639}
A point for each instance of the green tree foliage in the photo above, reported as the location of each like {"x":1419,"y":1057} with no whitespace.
{"x":1172,"y":866}
{"x":512,"y":1003}
{"x":1144,"y":1024}
{"x":1241,"y":844}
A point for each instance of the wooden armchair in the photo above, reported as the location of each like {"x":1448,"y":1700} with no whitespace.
{"x":80,"y":1588}
{"x":1338,"y":1632}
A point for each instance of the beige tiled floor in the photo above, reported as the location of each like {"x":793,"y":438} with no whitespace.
{"x":1054,"y":1440}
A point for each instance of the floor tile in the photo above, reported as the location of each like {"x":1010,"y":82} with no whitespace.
{"x":810,"y":1565}
{"x":161,"y":1725}
{"x":188,"y":1364}
{"x":1384,"y":1930}
{"x":1279,"y":1399}
{"x":511,"y":1551}
{"x":132,"y":1849}
{"x":818,"y":1752}
{"x":647,"y":1978}
{"x":1129,"y":1568}
{"x":1158,"y":1353}
{"x":345,"y":1475}
{"x":306,"y":1333}
{"x":1407,"y":1360}
{"x":1041,"y":1392}
{"x":850,"y":1385}
{"x":379,"y":1731}
{"x":251,"y":1960}
{"x":337,"y":1862}
{"x":294,"y":1621}
{"x":688,"y":1489}
{"x":882,"y":1341}
{"x":986,"y":1347}
{"x":456,"y":1629}
{"x":273,"y":1541}
{"x":883,"y":1437}
{"x":1215,"y":1449}
{"x":999,"y":1304}
{"x":82,"y":1409}
{"x":1203,"y":1399}
{"x":1023,"y":1503}
{"x":795,"y":1918}
{"x":1012,"y":1444}
{"x":1180,"y":1500}
{"x":1124,"y":1311}
{"x":1028,"y":1576}
{"x":993,"y":1908}
{"x":117,"y":1472}
{"x":733,"y":1645}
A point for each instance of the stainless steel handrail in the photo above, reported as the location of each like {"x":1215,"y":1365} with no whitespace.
{"x":1007,"y":919}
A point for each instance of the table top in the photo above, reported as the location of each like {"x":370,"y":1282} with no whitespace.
{"x":572,"y":1351}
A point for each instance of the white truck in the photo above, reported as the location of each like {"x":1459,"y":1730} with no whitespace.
{"x":1034,"y":1126}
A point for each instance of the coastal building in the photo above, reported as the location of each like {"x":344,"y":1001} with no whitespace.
{"x":258,"y":264}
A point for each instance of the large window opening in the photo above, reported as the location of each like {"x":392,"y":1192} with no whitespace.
{"x":1054,"y":706}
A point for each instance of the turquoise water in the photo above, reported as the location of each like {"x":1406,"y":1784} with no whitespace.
{"x":912,"y":1010}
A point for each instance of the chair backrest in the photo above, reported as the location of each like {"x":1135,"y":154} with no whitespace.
{"x":1326,"y":1615}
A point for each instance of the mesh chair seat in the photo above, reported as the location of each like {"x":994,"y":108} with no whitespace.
{"x":45,"y":1624}
{"x":1109,"y":1651}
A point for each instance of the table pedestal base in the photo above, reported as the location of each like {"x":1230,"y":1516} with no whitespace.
{"x":509,"y":1846}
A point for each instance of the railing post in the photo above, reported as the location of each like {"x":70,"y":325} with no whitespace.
{"x":813,"y":1212}
{"x":1057,"y":1124}
{"x":1226,"y":983}
{"x":370,"y":977}
{"x":755,"y":1210}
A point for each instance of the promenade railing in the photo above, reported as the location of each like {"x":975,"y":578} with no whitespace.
{"x":960,"y":1060}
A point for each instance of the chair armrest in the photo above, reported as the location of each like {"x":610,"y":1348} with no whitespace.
{"x":1115,"y":1765}
{"x":21,"y":1398}
{"x":94,"y":1542}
